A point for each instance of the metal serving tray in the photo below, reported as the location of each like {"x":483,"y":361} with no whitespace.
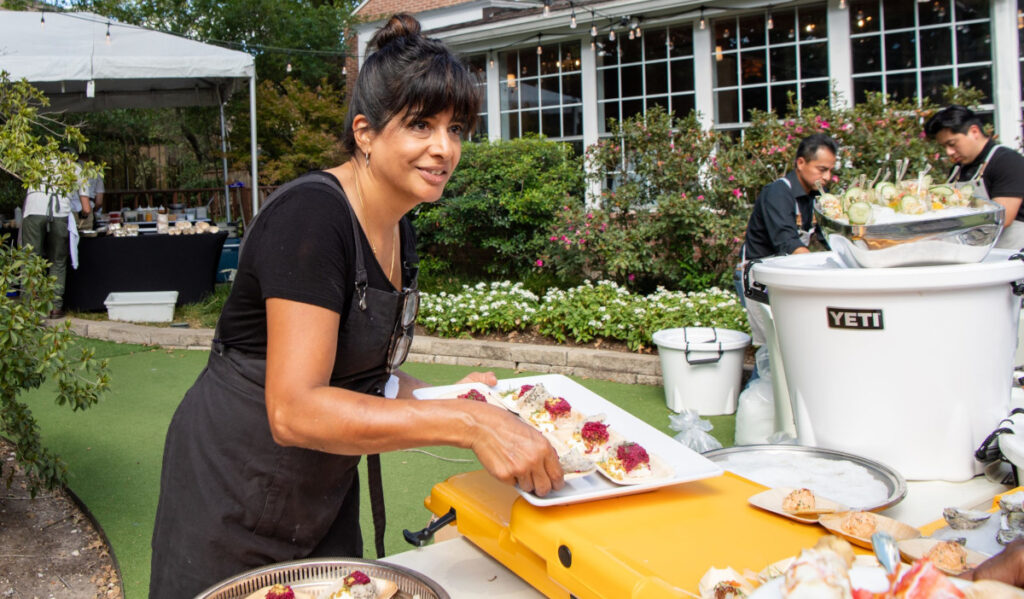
{"x":893,"y":481}
{"x":317,"y":575}
{"x":959,"y":239}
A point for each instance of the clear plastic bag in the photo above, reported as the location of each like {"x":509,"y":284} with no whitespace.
{"x":755,"y":412}
{"x":693,"y":431}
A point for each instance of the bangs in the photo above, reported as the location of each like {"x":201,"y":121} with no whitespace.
{"x":440,"y":84}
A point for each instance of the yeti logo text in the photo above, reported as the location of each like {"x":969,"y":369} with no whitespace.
{"x":852,"y":318}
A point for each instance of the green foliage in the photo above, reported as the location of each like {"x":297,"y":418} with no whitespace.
{"x":493,"y":218}
{"x":300,"y":129}
{"x":31,"y":142}
{"x":672,"y":216}
{"x":582,"y":314}
{"x":34,"y":353}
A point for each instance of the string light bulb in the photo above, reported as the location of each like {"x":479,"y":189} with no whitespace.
{"x":42,"y":20}
{"x":611,"y":35}
{"x":344,"y":70}
{"x":771,"y":22}
{"x":1020,"y":19}
{"x":108,"y":33}
{"x":572,"y":17}
{"x":632,"y":35}
{"x":842,"y":4}
{"x":288,"y":67}
{"x":593,"y":30}
{"x":540,"y":49}
{"x":703,"y":23}
{"x":547,"y":8}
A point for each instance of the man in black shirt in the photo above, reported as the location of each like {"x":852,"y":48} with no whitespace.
{"x":782,"y":219}
{"x":780,"y":223}
{"x":959,"y":131}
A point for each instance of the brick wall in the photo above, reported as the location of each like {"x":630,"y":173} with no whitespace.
{"x":380,"y":8}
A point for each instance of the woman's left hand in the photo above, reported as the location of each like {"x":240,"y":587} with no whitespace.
{"x":486,"y":378}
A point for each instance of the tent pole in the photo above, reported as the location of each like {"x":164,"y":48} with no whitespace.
{"x":252,"y":145}
{"x":224,"y":159}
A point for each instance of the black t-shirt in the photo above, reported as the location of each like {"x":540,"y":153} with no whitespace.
{"x":1004,"y":175}
{"x":772,"y":228}
{"x":301,"y":248}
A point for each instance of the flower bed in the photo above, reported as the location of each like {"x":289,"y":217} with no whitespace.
{"x":602,"y":310}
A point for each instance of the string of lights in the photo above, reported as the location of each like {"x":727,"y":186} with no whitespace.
{"x":628,"y":23}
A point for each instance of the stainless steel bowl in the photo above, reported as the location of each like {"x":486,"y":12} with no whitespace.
{"x":940,"y":239}
{"x":316,"y":575}
{"x":895,"y":484}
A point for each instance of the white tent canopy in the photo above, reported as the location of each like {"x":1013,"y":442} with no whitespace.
{"x":86,"y":62}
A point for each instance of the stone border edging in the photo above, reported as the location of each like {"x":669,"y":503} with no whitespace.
{"x":616,"y":366}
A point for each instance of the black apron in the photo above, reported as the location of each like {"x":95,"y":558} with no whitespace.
{"x":231,"y":499}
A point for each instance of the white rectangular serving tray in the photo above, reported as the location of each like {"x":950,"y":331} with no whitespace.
{"x":687,"y":465}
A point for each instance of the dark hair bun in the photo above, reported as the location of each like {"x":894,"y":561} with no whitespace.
{"x":401,"y":25}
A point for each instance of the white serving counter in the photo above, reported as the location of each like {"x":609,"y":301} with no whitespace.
{"x":467,"y":572}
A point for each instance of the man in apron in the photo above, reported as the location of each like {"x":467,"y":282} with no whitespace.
{"x":999,"y":169}
{"x":783,"y":217}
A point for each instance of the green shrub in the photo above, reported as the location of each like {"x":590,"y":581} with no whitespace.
{"x":494,"y":215}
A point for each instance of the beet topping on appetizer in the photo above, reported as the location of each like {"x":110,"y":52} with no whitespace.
{"x":557,"y":407}
{"x":594,"y":433}
{"x":280,"y":591}
{"x":632,"y":456}
{"x":474,"y":395}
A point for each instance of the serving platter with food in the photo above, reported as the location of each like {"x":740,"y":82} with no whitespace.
{"x":909,"y":222}
{"x":338,"y":578}
{"x":629,"y":455}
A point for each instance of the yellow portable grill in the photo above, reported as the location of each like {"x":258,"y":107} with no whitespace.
{"x":655,"y":544}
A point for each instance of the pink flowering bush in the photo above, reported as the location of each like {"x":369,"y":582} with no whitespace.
{"x":671,"y":218}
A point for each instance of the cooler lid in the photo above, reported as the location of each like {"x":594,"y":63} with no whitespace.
{"x":701,"y":339}
{"x":825,"y":270}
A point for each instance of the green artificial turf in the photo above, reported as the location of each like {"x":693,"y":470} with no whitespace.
{"x":113,"y":450}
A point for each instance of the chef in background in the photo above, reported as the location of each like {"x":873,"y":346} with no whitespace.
{"x":959,"y":131}
{"x":781,"y":222}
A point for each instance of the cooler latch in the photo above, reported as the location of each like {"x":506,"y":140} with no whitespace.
{"x":1017,"y":286}
{"x":420,"y":538}
{"x":753,"y":290}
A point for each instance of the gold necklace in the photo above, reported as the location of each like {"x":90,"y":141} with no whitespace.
{"x":394,"y":234}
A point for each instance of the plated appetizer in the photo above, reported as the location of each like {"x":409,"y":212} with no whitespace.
{"x":358,"y":585}
{"x":526,"y":398}
{"x":857,"y":527}
{"x":474,"y":395}
{"x":628,"y":463}
{"x":949,"y":556}
{"x":801,"y":505}
{"x":554,"y":413}
{"x":574,"y":464}
{"x":278,"y":591}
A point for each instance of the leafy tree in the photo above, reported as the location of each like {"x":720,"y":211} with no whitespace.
{"x":33,"y":352}
{"x":301,"y":128}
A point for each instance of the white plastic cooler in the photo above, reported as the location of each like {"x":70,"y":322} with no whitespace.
{"x":907,"y":366}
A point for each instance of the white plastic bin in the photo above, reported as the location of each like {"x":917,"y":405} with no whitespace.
{"x":141,"y":306}
{"x":701,"y":368}
{"x":907,"y":366}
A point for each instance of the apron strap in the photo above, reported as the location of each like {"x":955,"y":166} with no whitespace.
{"x":376,"y":489}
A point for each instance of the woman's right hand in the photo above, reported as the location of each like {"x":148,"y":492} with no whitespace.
{"x":513,"y":452}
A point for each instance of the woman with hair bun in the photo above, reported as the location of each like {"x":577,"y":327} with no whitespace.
{"x":260,"y":460}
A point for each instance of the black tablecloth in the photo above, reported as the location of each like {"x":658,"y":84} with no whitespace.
{"x":183,"y":263}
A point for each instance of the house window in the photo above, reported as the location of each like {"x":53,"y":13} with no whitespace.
{"x":910,"y":50}
{"x":477,"y":65}
{"x":757,"y":67}
{"x":655,"y":69}
{"x":542,"y":93}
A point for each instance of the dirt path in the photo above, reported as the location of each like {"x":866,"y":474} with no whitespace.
{"x":48,"y":548}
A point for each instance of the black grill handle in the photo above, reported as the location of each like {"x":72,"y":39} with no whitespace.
{"x":420,"y":538}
